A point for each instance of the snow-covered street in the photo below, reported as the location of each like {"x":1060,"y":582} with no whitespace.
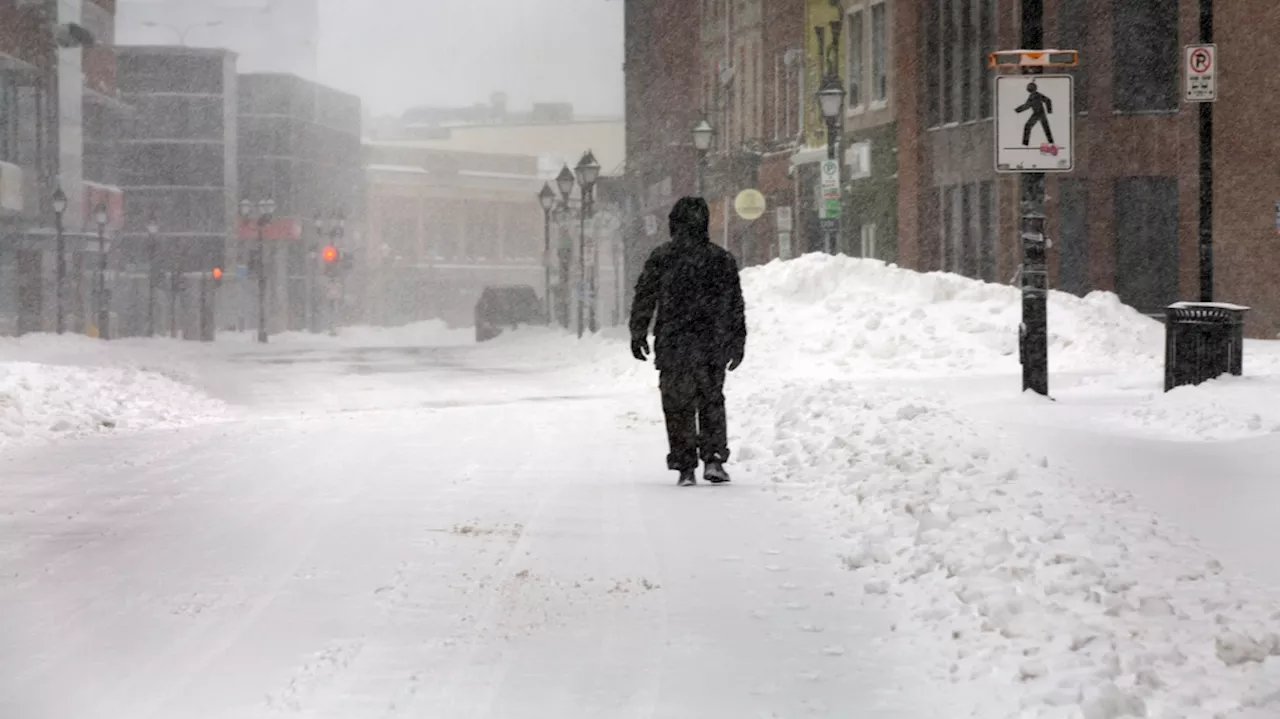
{"x":517,"y":554}
{"x":402,"y":523}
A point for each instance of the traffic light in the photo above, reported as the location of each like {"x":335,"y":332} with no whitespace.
{"x":330,"y":255}
{"x":217,"y":274}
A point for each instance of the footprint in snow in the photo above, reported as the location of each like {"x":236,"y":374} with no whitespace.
{"x":774,"y":552}
{"x":774,"y":568}
{"x":731,"y":558}
{"x":834,"y":650}
{"x":811,"y":628}
{"x":796,"y":606}
{"x":793,"y":538}
{"x":812,"y":676}
{"x":788,"y":586}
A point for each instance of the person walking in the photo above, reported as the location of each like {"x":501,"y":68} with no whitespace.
{"x":690,"y":292}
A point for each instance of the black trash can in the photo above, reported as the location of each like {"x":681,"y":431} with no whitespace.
{"x":1203,"y":341}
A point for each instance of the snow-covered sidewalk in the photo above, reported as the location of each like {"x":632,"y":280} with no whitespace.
{"x":886,"y":401}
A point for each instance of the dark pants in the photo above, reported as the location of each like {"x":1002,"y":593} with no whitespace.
{"x":693,"y":402}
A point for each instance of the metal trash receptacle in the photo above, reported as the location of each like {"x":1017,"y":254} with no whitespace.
{"x":1203,"y":341}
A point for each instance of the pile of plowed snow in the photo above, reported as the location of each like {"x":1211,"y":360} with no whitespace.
{"x":835,"y":316}
{"x":863,"y":316}
{"x":1052,"y":597}
{"x":52,"y":387}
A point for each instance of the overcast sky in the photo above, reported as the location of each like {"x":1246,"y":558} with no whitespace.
{"x":400,"y":53}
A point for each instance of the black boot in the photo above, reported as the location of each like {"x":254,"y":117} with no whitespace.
{"x":688,"y":478}
{"x":715,"y":474}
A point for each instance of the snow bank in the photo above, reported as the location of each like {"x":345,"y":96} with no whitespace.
{"x":53,"y":387}
{"x":1224,"y":409}
{"x":429,"y":333}
{"x":846,"y":314}
{"x":1054,"y":600}
{"x":831,"y":316}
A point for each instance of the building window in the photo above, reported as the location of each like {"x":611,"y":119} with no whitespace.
{"x":1147,"y":242}
{"x":869,"y":240}
{"x":986,"y":79}
{"x":1073,"y":34}
{"x":1073,"y":218}
{"x":933,"y":62}
{"x":8,"y":118}
{"x":857,"y":66}
{"x":967,"y":41}
{"x":879,"y":52}
{"x":1147,"y":67}
{"x":948,"y":88}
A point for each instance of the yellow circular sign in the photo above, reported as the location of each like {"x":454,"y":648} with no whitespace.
{"x":750,"y":204}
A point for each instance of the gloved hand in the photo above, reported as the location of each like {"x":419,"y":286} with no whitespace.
{"x":640,"y":348}
{"x":735,"y":360}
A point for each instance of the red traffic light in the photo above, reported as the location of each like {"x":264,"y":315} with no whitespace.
{"x":330,"y":254}
{"x":217,"y":273}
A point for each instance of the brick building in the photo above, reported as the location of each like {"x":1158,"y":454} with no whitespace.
{"x":1126,"y":219}
{"x":663,"y":104}
{"x":60,"y":115}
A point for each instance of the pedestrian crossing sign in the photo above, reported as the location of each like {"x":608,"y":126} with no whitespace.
{"x":1035,"y":123}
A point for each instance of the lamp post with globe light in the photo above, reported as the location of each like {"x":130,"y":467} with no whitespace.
{"x":60,"y":246}
{"x":104,"y":302}
{"x":703,"y":133}
{"x":153,"y":271}
{"x":547,"y":198}
{"x":588,"y":171}
{"x":831,"y":96}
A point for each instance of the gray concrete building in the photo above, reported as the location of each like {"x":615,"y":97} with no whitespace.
{"x":178,"y":165}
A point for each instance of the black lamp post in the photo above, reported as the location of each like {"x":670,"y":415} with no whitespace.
{"x":266,"y":209}
{"x":565,"y":182}
{"x":153,"y":271}
{"x":588,"y":171}
{"x":60,"y":246}
{"x":547,"y":198}
{"x":104,"y":303}
{"x":831,"y":97}
{"x":703,"y":133}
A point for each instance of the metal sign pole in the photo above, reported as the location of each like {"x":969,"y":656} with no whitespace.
{"x":1206,"y":170}
{"x":1035,"y":286}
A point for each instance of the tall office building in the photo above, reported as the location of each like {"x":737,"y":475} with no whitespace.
{"x":269,"y":36}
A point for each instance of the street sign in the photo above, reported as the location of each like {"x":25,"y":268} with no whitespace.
{"x":242,"y":272}
{"x":830,"y":224}
{"x":784,"y":219}
{"x":830,"y":207}
{"x":1035,"y":123}
{"x":1200,"y":67}
{"x":784,"y":245}
{"x":750,"y":205}
{"x":650,"y":225}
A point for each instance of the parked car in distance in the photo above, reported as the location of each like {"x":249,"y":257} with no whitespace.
{"x":502,"y":307}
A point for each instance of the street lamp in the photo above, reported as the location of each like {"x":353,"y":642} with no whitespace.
{"x":153,"y":271}
{"x":702,"y":136}
{"x":547,"y":198}
{"x":588,"y":171}
{"x":565,"y":182}
{"x":266,"y":209}
{"x":831,"y":96}
{"x":60,"y":243}
{"x":104,"y":303}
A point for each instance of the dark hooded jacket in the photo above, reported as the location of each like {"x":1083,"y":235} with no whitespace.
{"x":691,"y":286}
